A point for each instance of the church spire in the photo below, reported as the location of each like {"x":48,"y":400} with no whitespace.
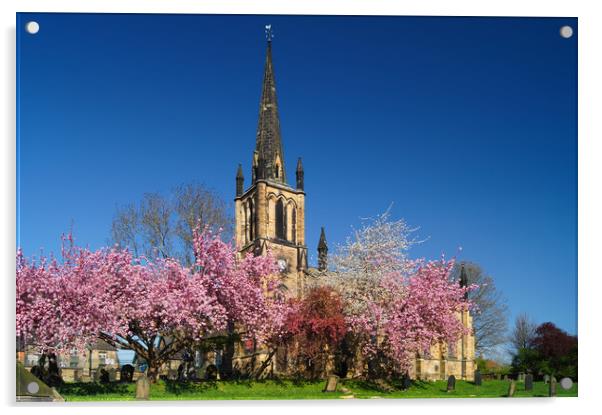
{"x":322,"y":252}
{"x":270,"y":157}
{"x":300,"y":174}
{"x":240,"y":181}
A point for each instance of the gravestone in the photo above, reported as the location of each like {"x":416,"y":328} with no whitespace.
{"x":511,"y":389}
{"x":331,"y":384}
{"x":406,"y":382}
{"x":566,"y":383}
{"x":142,"y":388}
{"x":529,"y":382}
{"x":451,"y":383}
{"x":505,"y":377}
{"x":552,"y":387}
{"x":521,"y":377}
{"x":211,"y":372}
{"x":546,"y":378}
{"x":127,"y":373}
{"x":478,"y":378}
{"x":498,"y":376}
{"x":104,"y":376}
{"x":112,"y":374}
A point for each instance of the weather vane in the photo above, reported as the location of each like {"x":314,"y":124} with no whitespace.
{"x":269,"y":35}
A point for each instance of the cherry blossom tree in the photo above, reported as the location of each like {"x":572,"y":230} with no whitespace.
{"x":395,"y":307}
{"x":152,"y":307}
{"x":317,"y":327}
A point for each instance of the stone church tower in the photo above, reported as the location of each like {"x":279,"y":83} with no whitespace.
{"x":270,"y":213}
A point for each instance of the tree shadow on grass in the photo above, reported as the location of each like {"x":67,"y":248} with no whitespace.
{"x":92,"y":388}
{"x":185,"y":387}
{"x":369,"y":386}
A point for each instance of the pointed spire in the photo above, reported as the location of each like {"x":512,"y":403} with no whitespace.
{"x":270,"y":163}
{"x":464,"y":280}
{"x":240,"y":181}
{"x":322,"y":252}
{"x":300,"y":174}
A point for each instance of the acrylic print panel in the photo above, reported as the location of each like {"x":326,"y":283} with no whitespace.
{"x":171,"y":245}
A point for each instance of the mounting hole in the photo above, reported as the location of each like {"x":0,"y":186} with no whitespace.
{"x":33,"y":387}
{"x":566,"y":383}
{"x":566,"y":31}
{"x":32,"y":27}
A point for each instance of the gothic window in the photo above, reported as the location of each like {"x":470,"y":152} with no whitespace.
{"x":246,"y":223}
{"x":280,"y":220}
{"x":294,"y":226}
{"x":251,"y":221}
{"x":277,"y":170}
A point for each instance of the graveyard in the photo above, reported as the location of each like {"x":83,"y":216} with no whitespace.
{"x":290,"y":389}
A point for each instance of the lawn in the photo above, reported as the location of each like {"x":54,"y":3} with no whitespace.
{"x":286,"y":389}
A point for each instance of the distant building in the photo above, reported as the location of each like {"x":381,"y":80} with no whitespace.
{"x":76,"y":365}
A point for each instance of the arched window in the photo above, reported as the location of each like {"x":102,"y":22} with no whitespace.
{"x":245,"y":209}
{"x":251,"y":221}
{"x":294,"y":226}
{"x":280,"y":220}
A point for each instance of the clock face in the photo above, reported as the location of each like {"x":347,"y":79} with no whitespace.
{"x":282,"y":264}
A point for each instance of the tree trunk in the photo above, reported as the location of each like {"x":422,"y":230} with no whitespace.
{"x":228,"y":356}
{"x":265,"y":364}
{"x":153,"y":371}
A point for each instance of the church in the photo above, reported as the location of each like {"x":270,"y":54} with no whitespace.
{"x":270,"y":214}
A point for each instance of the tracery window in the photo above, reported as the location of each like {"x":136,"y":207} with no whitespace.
{"x":280,"y":220}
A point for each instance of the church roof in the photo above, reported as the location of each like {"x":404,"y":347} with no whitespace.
{"x":269,"y":142}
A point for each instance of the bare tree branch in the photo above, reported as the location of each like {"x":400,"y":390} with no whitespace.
{"x":490,"y":318}
{"x":163,"y":226}
{"x":523,"y":333}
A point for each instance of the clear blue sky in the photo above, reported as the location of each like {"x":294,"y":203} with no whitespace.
{"x":467,"y":125}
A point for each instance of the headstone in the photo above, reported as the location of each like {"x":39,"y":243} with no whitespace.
{"x":499,"y":376}
{"x":104,"y":376}
{"x":511,"y":389}
{"x":54,"y":375}
{"x":478,"y":378}
{"x":505,"y":377}
{"x":529,"y":382}
{"x":127,"y":373}
{"x":521,"y":377}
{"x":451,"y":383}
{"x":142,"y":388}
{"x":406,"y":382}
{"x":552,"y":387}
{"x":331,"y":384}
{"x":546,"y":378}
{"x":112,"y":374}
{"x":566,"y":383}
{"x":211,"y":372}
{"x":181,"y":372}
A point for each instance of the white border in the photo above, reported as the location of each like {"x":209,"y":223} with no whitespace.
{"x":590,"y":206}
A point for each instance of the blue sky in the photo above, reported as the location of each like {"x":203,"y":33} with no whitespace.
{"x":467,"y":125}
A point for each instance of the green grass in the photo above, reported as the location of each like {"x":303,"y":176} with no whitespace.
{"x":264,"y":389}
{"x":438,"y":389}
{"x":286,"y":389}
